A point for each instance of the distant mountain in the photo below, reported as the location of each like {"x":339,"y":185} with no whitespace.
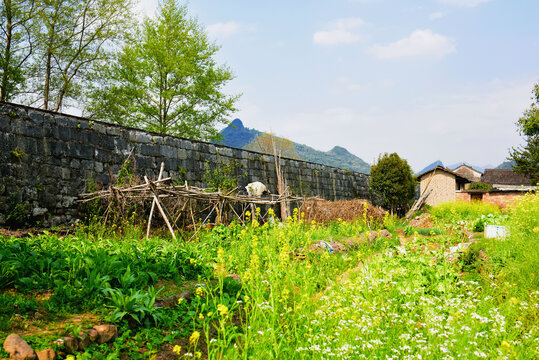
{"x":238,"y":136}
{"x":506,"y":165}
{"x":431,"y":166}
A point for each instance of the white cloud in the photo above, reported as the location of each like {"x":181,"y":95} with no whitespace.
{"x":466,"y":3}
{"x":340,"y":31}
{"x":436,"y":15}
{"x":227,"y":29}
{"x":420,"y":44}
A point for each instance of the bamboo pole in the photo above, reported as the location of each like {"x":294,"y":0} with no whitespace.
{"x":159,"y":207}
{"x":153,"y":203}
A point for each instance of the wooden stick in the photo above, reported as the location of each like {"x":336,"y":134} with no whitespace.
{"x":153,"y":203}
{"x":159,"y":207}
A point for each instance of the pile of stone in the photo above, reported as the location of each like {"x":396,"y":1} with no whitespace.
{"x":19,"y":349}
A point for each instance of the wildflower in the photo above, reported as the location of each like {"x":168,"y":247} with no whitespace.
{"x":180,"y":301}
{"x":201,"y":316}
{"x":177,"y":349}
{"x":514,"y":301}
{"x":313,"y":222}
{"x":192,"y":261}
{"x":271,"y":212}
{"x":198,"y":354}
{"x":505,"y":345}
{"x":223,"y":309}
{"x":210,"y":314}
{"x":246,"y":298}
{"x":70,"y":357}
{"x":536,"y":229}
{"x":199,"y":291}
{"x":194,"y":337}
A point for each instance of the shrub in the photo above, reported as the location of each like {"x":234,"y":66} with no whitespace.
{"x":480,"y":186}
{"x":455,"y":211}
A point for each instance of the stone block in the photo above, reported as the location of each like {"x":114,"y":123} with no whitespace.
{"x":81,"y":151}
{"x":150,"y":150}
{"x":187,"y":144}
{"x":57,"y":148}
{"x":64,"y":121}
{"x":168,"y":152}
{"x":114,"y":130}
{"x":5,"y":124}
{"x":98,"y":127}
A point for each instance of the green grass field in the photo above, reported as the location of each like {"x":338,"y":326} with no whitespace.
{"x":398,"y":297}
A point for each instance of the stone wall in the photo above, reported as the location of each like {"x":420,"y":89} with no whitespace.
{"x":47,"y":159}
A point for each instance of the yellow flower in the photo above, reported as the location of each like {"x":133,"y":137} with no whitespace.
{"x":514,"y":301}
{"x":70,"y":357}
{"x":313,"y":222}
{"x":505,"y":345}
{"x":210,"y":314}
{"x":223,"y":309}
{"x":180,"y":301}
{"x":536,"y":229}
{"x":194,"y":337}
{"x":246,"y":298}
{"x":271,"y":212}
{"x":201,"y":316}
{"x":199,"y":291}
{"x":192,"y":261}
{"x":177,"y":349}
{"x":198,"y":354}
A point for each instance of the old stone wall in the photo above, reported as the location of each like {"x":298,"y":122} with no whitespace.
{"x":47,"y":159}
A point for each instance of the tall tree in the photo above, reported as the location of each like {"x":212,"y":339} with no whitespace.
{"x":166,"y":80}
{"x":76,"y":38}
{"x":16,"y":46}
{"x":526,"y":157}
{"x":392,"y":179}
{"x":264,"y":143}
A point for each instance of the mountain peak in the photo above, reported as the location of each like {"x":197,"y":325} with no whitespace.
{"x":237,"y":123}
{"x":339,"y":150}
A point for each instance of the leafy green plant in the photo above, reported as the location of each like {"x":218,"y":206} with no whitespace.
{"x":480,"y":186}
{"x":221,"y":177}
{"x":136,"y":307}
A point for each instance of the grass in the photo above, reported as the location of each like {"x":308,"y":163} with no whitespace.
{"x":383,"y":299}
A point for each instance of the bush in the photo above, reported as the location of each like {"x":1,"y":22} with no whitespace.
{"x":455,"y":211}
{"x":480,"y":186}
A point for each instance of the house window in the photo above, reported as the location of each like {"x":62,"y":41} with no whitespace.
{"x":476,"y":197}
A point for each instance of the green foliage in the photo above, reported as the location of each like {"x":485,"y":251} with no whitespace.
{"x":526,"y":158}
{"x":452,"y":212}
{"x":165,"y":79}
{"x":18,"y":211}
{"x":222,"y":177}
{"x":15,"y":47}
{"x":480,"y":186}
{"x":136,"y":305}
{"x":392,"y":179}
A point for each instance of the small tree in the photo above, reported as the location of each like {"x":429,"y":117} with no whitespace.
{"x":166,"y":79}
{"x":526,"y":158}
{"x":392,"y":179}
{"x":264,"y":144}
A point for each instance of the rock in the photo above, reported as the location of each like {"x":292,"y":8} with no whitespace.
{"x":106,"y":333}
{"x":84,"y":341}
{"x":47,"y":354}
{"x":93,"y":334}
{"x":18,"y":349}
{"x":71,"y":344}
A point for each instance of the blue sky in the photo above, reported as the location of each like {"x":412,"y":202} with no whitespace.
{"x":436,"y":79}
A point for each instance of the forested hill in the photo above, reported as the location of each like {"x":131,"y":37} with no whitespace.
{"x":238,"y":136}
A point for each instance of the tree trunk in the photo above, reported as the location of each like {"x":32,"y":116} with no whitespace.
{"x":7,"y":53}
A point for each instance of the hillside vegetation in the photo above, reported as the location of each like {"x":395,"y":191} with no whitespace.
{"x":236,"y":135}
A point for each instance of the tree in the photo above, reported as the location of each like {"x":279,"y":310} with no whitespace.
{"x":526,"y":158}
{"x":17,"y":45}
{"x":75,"y":38}
{"x":166,"y":80}
{"x":264,"y":143}
{"x":392,"y":179}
